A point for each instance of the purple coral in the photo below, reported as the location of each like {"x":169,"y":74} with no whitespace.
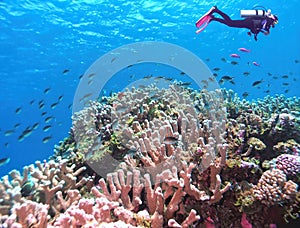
{"x":288,"y":163}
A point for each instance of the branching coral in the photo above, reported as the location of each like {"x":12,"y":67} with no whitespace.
{"x":161,"y":157}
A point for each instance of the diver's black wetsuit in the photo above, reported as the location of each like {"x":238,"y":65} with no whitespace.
{"x":255,"y":24}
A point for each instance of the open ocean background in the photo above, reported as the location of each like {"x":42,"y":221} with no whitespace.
{"x":46,"y":45}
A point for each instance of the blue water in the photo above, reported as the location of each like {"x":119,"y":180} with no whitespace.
{"x":39,"y":40}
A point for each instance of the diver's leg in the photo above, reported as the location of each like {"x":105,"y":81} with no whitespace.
{"x":231,"y":23}
{"x":228,"y":21}
{"x":222,"y":14}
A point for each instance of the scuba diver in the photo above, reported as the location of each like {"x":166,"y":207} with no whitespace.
{"x":255,"y":20}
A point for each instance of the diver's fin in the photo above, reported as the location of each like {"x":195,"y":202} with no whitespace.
{"x":205,"y":17}
{"x":204,"y":23}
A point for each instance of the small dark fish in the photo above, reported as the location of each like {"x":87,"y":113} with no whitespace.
{"x":223,"y":59}
{"x":6,"y":145}
{"x":168,"y":79}
{"x":85,"y":96}
{"x":246,"y":73}
{"x":216,"y":69}
{"x":179,"y":124}
{"x":285,"y":76}
{"x":41,"y":102}
{"x":205,"y":82}
{"x":4,"y":161}
{"x":53,"y":106}
{"x":27,"y":188}
{"x":245,"y":94}
{"x":90,"y":76}
{"x":18,"y":110}
{"x":158,"y":77}
{"x":211,"y":79}
{"x":17,"y":125}
{"x":227,"y":78}
{"x":221,"y":81}
{"x":80,"y":76}
{"x":46,"y":128}
{"x":46,"y":139}
{"x":269,"y":74}
{"x":129,"y":66}
{"x":207,"y":59}
{"x":232,"y":82}
{"x":48,"y":119}
{"x":47,"y":90}
{"x":234,"y":62}
{"x":267,"y":91}
{"x":170,"y":140}
{"x":35,"y":126}
{"x":31,"y":102}
{"x":9,"y":132}
{"x":65,"y":71}
{"x":215,"y":75}
{"x":182,"y":73}
{"x":113,"y":59}
{"x":286,"y":91}
{"x":43,"y":113}
{"x":296,"y":61}
{"x":257,"y":83}
{"x":285,"y":84}
{"x":41,"y":106}
{"x":275,"y":77}
{"x":60,"y":98}
{"x":147,"y":76}
{"x":27,"y":132}
{"x":21,"y":138}
{"x":70,"y":106}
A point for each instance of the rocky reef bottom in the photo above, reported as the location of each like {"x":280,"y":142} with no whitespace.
{"x":173,"y":157}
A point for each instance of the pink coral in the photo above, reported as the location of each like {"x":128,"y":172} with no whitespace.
{"x":29,"y":214}
{"x":288,"y":163}
{"x":272,"y":187}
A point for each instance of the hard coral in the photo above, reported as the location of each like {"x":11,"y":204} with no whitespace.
{"x":272,"y":188}
{"x":288,"y":163}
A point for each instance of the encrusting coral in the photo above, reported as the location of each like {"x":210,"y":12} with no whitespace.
{"x":173,"y":157}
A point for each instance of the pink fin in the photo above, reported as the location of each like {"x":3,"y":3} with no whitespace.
{"x":204,"y":24}
{"x":204,"y":18}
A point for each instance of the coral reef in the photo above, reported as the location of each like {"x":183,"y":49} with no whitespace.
{"x":165,"y":157}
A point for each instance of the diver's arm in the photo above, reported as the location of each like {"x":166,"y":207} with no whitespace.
{"x":265,"y":27}
{"x":265,"y":31}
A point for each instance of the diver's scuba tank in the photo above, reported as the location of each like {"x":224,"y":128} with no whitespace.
{"x":255,"y":13}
